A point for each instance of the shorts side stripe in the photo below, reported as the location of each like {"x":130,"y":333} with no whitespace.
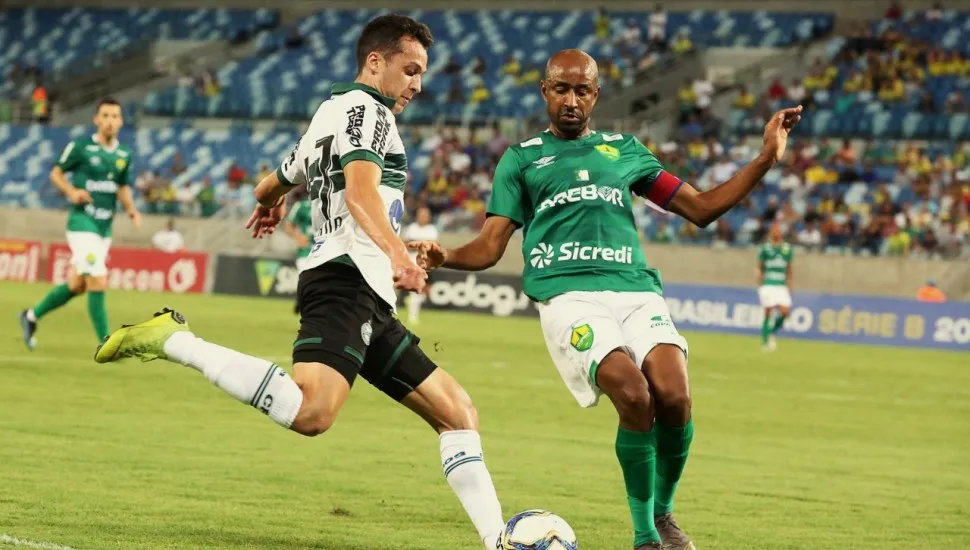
{"x":397,"y":354}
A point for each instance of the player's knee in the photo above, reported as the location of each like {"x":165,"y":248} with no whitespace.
{"x":315,"y":423}
{"x":461,"y":415}
{"x":634,"y":405}
{"x":676,"y":407}
{"x":76,"y":287}
{"x":95,"y":284}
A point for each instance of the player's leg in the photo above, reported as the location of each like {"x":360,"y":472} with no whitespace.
{"x":767,"y":304}
{"x":81,"y":248}
{"x":586,"y":344}
{"x":661,"y":353}
{"x":324,"y":369}
{"x":415,"y":299}
{"x":784,"y":308}
{"x":397,"y":366}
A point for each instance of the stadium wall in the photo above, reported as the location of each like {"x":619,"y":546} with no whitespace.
{"x":826,"y":274}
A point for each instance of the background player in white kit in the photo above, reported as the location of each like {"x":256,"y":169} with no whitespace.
{"x":420,"y":230}
{"x":352,"y":161}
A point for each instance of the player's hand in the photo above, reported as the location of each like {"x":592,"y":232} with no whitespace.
{"x":407,"y":275}
{"x":431,"y":255}
{"x":79,"y":196}
{"x":135,"y":218}
{"x":264,"y":220}
{"x":777,"y":130}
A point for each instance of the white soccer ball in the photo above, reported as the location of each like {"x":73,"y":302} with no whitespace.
{"x":537,"y":530}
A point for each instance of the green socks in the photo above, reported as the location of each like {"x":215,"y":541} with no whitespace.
{"x":57,"y":297}
{"x":99,"y":316}
{"x":673,"y":445}
{"x":637,"y":453}
{"x":779,"y":321}
{"x":766,"y":329}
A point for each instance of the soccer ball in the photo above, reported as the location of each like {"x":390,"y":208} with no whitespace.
{"x":537,"y":530}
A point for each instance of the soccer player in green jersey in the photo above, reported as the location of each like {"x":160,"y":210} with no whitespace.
{"x":100,"y":169}
{"x":601,"y":307}
{"x":299,"y":226}
{"x":774,"y":290}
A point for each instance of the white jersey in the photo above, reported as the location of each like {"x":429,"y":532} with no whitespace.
{"x":356,"y":123}
{"x":416,"y":232}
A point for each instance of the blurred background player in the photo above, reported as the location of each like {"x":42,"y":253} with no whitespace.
{"x":100,"y":169}
{"x":420,"y":230}
{"x":299,"y":226}
{"x":774,"y":285}
{"x":346,"y":290}
{"x":601,"y":306}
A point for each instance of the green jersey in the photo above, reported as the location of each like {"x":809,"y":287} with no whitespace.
{"x":775,"y":261}
{"x":573,"y":199}
{"x":302,"y":218}
{"x":100,"y":171}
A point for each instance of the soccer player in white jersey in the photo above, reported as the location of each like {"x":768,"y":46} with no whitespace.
{"x":600,"y":304}
{"x":352,"y":161}
{"x":421,"y":230}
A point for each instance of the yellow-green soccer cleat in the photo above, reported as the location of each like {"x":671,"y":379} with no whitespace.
{"x":144,"y":340}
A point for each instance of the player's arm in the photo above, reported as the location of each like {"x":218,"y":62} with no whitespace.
{"x":271,"y":192}
{"x":505,"y":214}
{"x":127,"y":201}
{"x":703,"y":208}
{"x":790,"y":273}
{"x":70,"y":160}
{"x":367,"y":207}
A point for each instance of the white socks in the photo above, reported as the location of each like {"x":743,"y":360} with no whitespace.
{"x":30,"y":315}
{"x":464,"y":466}
{"x":414,"y":305}
{"x":253,"y":381}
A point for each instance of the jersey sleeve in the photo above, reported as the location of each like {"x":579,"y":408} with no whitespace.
{"x":362,"y":133}
{"x":71,"y":157}
{"x":290,"y":171}
{"x":124,"y":178}
{"x":652,"y":181}
{"x":508,"y":190}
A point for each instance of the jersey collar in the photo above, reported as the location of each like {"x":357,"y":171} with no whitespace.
{"x":345,"y":87}
{"x":111,"y":149}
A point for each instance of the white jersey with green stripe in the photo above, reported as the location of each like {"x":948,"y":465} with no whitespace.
{"x":356,"y":123}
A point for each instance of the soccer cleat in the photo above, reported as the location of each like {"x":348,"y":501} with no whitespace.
{"x":144,"y":340}
{"x":673,"y":537}
{"x":29,"y":327}
{"x":772,"y":343}
{"x":651,"y":546}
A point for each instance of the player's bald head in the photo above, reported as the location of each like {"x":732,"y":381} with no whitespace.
{"x":572,"y":65}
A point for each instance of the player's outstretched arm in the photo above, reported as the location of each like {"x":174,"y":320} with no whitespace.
{"x":702,"y":209}
{"x":481,"y":253}
{"x":270,"y":194}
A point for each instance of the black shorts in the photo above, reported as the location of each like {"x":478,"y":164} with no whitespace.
{"x":345,"y":325}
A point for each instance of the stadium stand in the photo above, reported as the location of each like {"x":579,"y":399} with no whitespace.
{"x":481,"y":64}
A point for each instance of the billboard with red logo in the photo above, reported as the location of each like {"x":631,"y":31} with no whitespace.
{"x":19,"y":260}
{"x":140,"y":269}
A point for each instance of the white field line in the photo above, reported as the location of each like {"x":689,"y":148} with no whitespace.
{"x":14,"y":541}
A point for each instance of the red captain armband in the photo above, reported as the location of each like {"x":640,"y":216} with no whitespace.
{"x":663,"y":189}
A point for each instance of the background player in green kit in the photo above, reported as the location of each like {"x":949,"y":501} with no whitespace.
{"x":774,"y":286}
{"x":603,"y":315}
{"x":299,"y":226}
{"x":100,"y":169}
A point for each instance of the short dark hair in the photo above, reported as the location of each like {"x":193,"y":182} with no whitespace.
{"x":106,"y":101}
{"x":384,"y":33}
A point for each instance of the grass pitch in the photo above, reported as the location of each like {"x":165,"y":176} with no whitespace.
{"x":815,"y":446}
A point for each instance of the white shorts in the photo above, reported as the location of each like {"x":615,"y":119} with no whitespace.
{"x":582,"y":328}
{"x":774,"y":295}
{"x":301,"y":263}
{"x":89,"y":253}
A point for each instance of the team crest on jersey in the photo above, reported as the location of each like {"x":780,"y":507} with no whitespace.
{"x":582,"y":337}
{"x":608,"y":151}
{"x":365,"y":332}
{"x":120,"y":164}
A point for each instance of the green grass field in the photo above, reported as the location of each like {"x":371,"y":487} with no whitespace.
{"x":815,"y":446}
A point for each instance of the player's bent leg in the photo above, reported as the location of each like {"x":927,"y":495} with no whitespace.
{"x":250,"y":380}
{"x":621,"y":380}
{"x":766,"y":325}
{"x":325,"y":391}
{"x":397,"y":366}
{"x":57,"y":297}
